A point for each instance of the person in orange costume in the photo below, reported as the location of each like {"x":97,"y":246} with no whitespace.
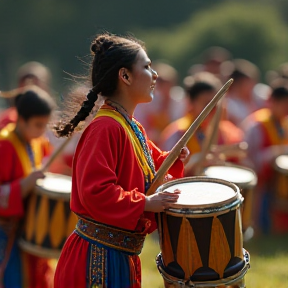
{"x":113,"y":167}
{"x":21,"y":152}
{"x":200,"y":90}
{"x":266,"y":137}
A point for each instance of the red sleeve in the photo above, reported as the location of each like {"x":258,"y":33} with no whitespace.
{"x":96,"y":166}
{"x":10,"y":175}
{"x":176,"y":170}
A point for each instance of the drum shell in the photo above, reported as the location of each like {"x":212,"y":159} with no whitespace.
{"x":48,"y":222}
{"x":202,"y":245}
{"x":247,"y":191}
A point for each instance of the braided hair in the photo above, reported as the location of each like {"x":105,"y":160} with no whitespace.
{"x":110,"y":54}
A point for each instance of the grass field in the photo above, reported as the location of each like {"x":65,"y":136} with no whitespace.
{"x":269,"y":263}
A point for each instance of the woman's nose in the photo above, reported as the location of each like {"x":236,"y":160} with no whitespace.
{"x":155,"y":75}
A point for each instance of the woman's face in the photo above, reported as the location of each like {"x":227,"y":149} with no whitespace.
{"x":143,"y":79}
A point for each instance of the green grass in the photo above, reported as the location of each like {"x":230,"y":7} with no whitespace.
{"x":269,"y":263}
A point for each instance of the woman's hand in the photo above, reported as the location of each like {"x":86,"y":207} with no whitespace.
{"x":29,"y":182}
{"x":184,"y":154}
{"x":160,"y":201}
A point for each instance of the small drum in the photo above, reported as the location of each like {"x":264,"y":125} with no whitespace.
{"x":201,"y":235}
{"x":281,"y":180}
{"x":49,"y":220}
{"x":245,"y":179}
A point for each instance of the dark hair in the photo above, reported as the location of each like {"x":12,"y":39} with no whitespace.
{"x":279,"y":93}
{"x":199,"y":83}
{"x":239,"y":69}
{"x":110,"y":53}
{"x":33,"y":101}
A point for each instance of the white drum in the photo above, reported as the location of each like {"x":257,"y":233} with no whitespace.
{"x":201,"y":234}
{"x":49,"y":220}
{"x":245,"y":179}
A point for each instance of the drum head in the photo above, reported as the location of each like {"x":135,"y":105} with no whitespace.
{"x":241,"y":176}
{"x":281,"y":163}
{"x":54,"y":185}
{"x":202,"y":192}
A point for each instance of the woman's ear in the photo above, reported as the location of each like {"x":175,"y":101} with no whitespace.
{"x":125,"y":76}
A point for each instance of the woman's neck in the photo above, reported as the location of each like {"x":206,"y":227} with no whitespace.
{"x":127,"y":106}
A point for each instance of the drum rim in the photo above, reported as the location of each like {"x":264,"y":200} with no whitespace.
{"x":242,"y":185}
{"x":215,"y":283}
{"x":236,"y":200}
{"x":39,"y":251}
{"x":40,"y":190}
{"x":278,"y":168}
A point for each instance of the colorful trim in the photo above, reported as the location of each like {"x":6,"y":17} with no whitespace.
{"x":107,"y":267}
{"x":273,"y":130}
{"x":97,"y":266}
{"x":138,"y":140}
{"x":8,"y":134}
{"x":112,"y":237}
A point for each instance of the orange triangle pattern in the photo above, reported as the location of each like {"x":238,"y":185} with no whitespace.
{"x":219,"y":255}
{"x":188,"y":256}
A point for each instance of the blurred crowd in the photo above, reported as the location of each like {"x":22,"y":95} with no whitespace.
{"x":248,"y":129}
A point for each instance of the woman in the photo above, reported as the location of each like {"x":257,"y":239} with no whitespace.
{"x":114,"y":165}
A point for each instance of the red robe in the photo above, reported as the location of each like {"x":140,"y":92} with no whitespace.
{"x":107,"y":186}
{"x":266,"y":173}
{"x":15,"y":165}
{"x":8,"y":116}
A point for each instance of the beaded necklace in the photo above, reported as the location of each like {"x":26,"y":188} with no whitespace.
{"x":279,"y":128}
{"x":31,"y":155}
{"x":134,"y":125}
{"x":200,"y":136}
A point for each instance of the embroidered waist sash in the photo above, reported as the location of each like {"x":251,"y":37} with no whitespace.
{"x":131,"y":242}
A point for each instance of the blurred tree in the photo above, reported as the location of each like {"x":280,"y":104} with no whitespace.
{"x":56,"y":32}
{"x":252,"y":31}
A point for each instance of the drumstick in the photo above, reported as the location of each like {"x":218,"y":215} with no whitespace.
{"x":176,"y":150}
{"x":11,"y":93}
{"x":210,"y":139}
{"x":55,"y":154}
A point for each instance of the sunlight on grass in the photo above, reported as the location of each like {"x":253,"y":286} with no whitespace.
{"x":269,"y":263}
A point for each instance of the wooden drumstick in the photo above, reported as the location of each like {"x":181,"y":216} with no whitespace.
{"x":208,"y":142}
{"x":176,"y":150}
{"x":55,"y":154}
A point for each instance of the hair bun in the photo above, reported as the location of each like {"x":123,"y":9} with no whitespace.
{"x":101,"y":44}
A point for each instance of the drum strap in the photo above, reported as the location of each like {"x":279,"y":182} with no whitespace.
{"x":10,"y":228}
{"x":123,"y":240}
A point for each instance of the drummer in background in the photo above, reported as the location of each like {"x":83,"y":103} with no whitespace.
{"x":21,"y":152}
{"x":200,"y":89}
{"x":35,"y":73}
{"x":167,"y":105}
{"x":31,"y":73}
{"x":239,"y":99}
{"x":266,"y":137}
{"x":212,"y":59}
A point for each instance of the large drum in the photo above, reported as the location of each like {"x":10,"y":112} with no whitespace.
{"x":201,"y":235}
{"x":49,"y":220}
{"x":246,"y":180}
{"x":281,"y":180}
{"x":279,"y":207}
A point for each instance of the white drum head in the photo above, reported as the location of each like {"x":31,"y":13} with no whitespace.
{"x":282,"y":162}
{"x":232,"y":174}
{"x":55,"y":185}
{"x":202,"y":193}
